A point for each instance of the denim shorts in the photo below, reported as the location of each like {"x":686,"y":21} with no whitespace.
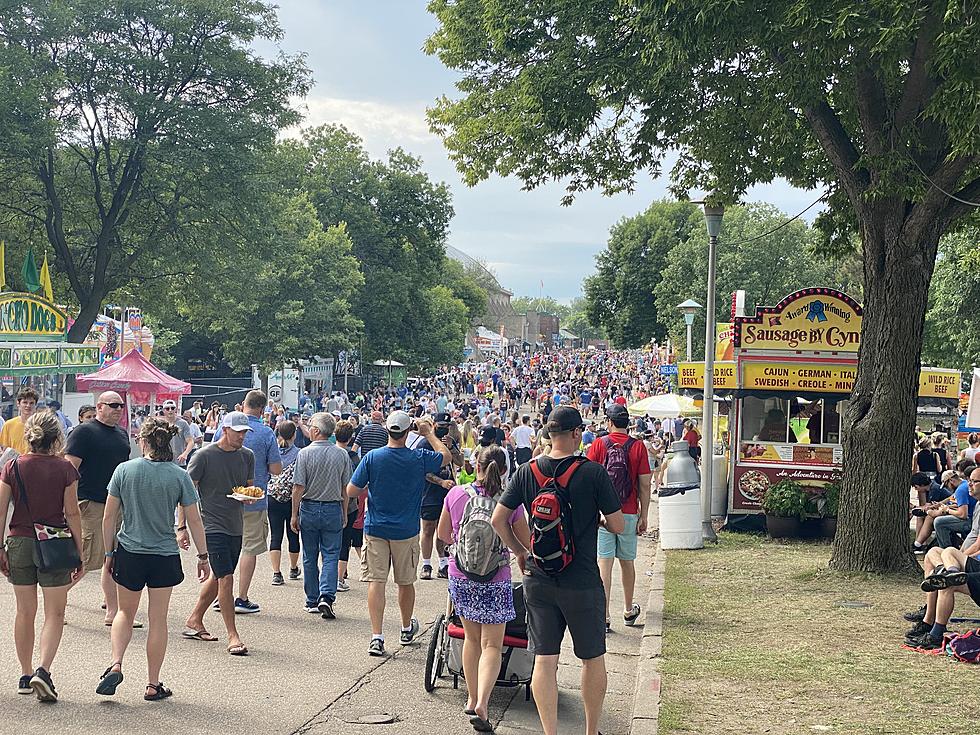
{"x":619,"y":545}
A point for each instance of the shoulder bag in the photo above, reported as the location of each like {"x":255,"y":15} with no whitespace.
{"x":55,"y":550}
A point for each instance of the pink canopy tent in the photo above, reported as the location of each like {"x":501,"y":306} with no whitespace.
{"x":137,"y":380}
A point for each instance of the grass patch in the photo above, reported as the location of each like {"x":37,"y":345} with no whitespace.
{"x":755,"y":642}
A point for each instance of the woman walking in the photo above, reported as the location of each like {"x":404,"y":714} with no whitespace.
{"x":484,"y":607}
{"x":43,"y":486}
{"x":147,"y":491}
{"x":281,"y":506}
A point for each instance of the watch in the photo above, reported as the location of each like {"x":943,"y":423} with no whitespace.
{"x":110,"y":553}
{"x":202,"y":557}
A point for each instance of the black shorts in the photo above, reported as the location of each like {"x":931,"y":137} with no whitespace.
{"x":136,"y":571}
{"x":973,"y":580}
{"x":431,"y":512}
{"x":223,"y":552}
{"x":552,"y":608}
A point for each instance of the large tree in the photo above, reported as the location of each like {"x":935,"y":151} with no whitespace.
{"x":620,"y":295}
{"x":129,"y":131}
{"x":876,"y":101}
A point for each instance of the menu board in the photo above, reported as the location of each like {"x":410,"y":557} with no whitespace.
{"x":751,"y":483}
{"x":805,"y":454}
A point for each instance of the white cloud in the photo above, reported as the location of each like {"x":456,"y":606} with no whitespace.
{"x":381,"y":125}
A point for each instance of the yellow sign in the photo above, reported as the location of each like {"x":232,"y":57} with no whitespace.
{"x":724,"y":347}
{"x":804,"y":377}
{"x":691,"y":375}
{"x":28,"y":317}
{"x":815,"y":319}
{"x":938,"y":383}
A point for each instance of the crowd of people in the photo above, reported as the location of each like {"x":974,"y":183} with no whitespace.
{"x":404,"y":477}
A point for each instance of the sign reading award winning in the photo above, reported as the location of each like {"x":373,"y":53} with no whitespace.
{"x":24,"y":316}
{"x":814,"y":319}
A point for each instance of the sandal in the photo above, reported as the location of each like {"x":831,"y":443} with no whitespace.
{"x":239,"y":650}
{"x":200,"y":635}
{"x":159,"y":692}
{"x":110,"y":680}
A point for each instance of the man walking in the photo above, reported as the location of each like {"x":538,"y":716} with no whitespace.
{"x":320,"y":512}
{"x":216,"y":470}
{"x":522,"y":438}
{"x":395,"y":478}
{"x":628,"y":466}
{"x":183,"y":442}
{"x":372,"y":436}
{"x":572,"y":598}
{"x":268,"y":461}
{"x":96,"y":448}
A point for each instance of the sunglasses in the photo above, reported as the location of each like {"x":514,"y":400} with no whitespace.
{"x":114,"y":405}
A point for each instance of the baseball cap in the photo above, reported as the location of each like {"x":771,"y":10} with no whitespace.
{"x":948,"y":474}
{"x":442,"y":418}
{"x":335,"y":414}
{"x":488,"y":435}
{"x":399,"y":421}
{"x":236,"y":421}
{"x":170,"y":404}
{"x":564,"y":418}
{"x":616,"y":412}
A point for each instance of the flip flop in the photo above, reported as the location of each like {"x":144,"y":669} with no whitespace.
{"x":239,"y":650}
{"x":109,"y":681}
{"x":136,"y":624}
{"x":200,"y":635}
{"x":480,"y":725}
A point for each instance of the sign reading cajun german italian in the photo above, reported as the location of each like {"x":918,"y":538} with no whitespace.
{"x":24,"y":316}
{"x":812,"y":320}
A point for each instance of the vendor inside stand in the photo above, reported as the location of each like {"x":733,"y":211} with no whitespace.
{"x":792,"y":420}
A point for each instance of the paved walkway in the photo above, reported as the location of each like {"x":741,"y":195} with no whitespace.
{"x":304,"y":674}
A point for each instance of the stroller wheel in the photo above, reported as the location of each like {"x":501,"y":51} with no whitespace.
{"x":436,"y":655}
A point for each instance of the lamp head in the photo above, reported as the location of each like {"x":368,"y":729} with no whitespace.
{"x":712,"y":217}
{"x":689,"y":309}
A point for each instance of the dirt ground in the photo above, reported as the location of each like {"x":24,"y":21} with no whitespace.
{"x":756,"y":640}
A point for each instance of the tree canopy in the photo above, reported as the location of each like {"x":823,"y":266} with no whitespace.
{"x":874,"y":101}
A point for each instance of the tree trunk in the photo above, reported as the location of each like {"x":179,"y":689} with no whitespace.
{"x":873,"y":525}
{"x":86,"y":317}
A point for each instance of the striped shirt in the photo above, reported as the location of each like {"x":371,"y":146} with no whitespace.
{"x":373,"y":436}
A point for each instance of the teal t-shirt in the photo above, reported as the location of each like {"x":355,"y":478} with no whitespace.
{"x":150,"y":493}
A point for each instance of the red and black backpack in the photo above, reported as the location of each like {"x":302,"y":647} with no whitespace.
{"x":552,"y":535}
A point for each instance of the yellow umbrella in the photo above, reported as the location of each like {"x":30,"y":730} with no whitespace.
{"x":665,"y":406}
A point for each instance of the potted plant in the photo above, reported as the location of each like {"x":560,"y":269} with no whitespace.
{"x":828,"y":509}
{"x":785,"y":507}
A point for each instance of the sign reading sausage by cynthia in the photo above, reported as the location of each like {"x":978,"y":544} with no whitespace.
{"x":814,"y":319}
{"x":28,"y":317}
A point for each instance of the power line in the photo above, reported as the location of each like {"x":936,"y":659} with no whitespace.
{"x":780,"y":226}
{"x":937,"y":186}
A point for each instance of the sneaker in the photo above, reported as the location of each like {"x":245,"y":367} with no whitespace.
{"x":325,"y":607}
{"x":443,"y":572}
{"x":935,"y":581}
{"x":608,"y":628}
{"x":294,"y":573}
{"x":376,"y":647}
{"x":409,"y":635}
{"x":277,"y":580}
{"x":634,"y":613}
{"x":24,"y":685}
{"x":311,"y":608}
{"x":916,"y":616}
{"x":927,"y":642}
{"x":342,"y":586}
{"x":43,"y":686}
{"x":426,"y":572}
{"x":243,"y":607}
{"x":918,"y":631}
{"x":216,"y":606}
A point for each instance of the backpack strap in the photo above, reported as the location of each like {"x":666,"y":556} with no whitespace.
{"x":561,"y":480}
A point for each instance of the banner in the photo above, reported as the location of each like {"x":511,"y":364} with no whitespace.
{"x":798,"y":377}
{"x":814,"y":319}
{"x":24,"y":316}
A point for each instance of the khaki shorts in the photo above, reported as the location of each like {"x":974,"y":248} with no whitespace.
{"x":93,"y":549}
{"x":23,"y":570}
{"x":255,"y":532}
{"x":379,"y":555}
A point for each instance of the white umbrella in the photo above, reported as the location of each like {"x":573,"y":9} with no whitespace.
{"x":665,"y":406}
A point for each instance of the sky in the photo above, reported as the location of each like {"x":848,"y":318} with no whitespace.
{"x":372,"y":76}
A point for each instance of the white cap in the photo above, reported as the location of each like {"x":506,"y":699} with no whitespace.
{"x":236,"y":421}
{"x":399,"y":421}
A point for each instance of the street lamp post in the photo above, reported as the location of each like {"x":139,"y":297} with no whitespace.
{"x":712,"y":216}
{"x":689,"y":309}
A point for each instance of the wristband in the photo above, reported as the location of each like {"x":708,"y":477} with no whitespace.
{"x":202,"y":557}
{"x":181,"y":528}
{"x":110,"y":553}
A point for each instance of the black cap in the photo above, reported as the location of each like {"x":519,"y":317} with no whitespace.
{"x":443,"y":418}
{"x":564,"y":418}
{"x":488,"y":436}
{"x":617,"y":412}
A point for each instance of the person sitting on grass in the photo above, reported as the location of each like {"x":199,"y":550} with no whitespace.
{"x":948,"y":571}
{"x":935,"y":500}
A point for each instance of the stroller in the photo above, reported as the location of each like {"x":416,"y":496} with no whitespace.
{"x":446,"y":649}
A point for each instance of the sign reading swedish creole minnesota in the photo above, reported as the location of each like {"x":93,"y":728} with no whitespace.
{"x":814,"y":319}
{"x":27,"y":317}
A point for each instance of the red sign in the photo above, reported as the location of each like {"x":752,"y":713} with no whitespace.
{"x":751,"y":483}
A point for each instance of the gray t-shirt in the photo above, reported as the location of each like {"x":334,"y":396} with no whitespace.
{"x":323,"y":469}
{"x":149,"y":492}
{"x":179,"y":442}
{"x":974,"y":533}
{"x":216,"y":472}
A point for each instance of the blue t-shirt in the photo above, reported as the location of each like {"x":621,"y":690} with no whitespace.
{"x":395,"y":479}
{"x":963,"y":496}
{"x":262,"y":441}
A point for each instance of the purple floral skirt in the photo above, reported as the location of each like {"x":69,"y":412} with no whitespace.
{"x":489,"y":603}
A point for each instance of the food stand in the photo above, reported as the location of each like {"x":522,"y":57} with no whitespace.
{"x":792,"y":375}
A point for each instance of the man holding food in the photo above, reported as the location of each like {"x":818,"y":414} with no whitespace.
{"x":220,"y":470}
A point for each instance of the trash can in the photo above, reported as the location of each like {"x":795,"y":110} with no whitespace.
{"x":679,"y":500}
